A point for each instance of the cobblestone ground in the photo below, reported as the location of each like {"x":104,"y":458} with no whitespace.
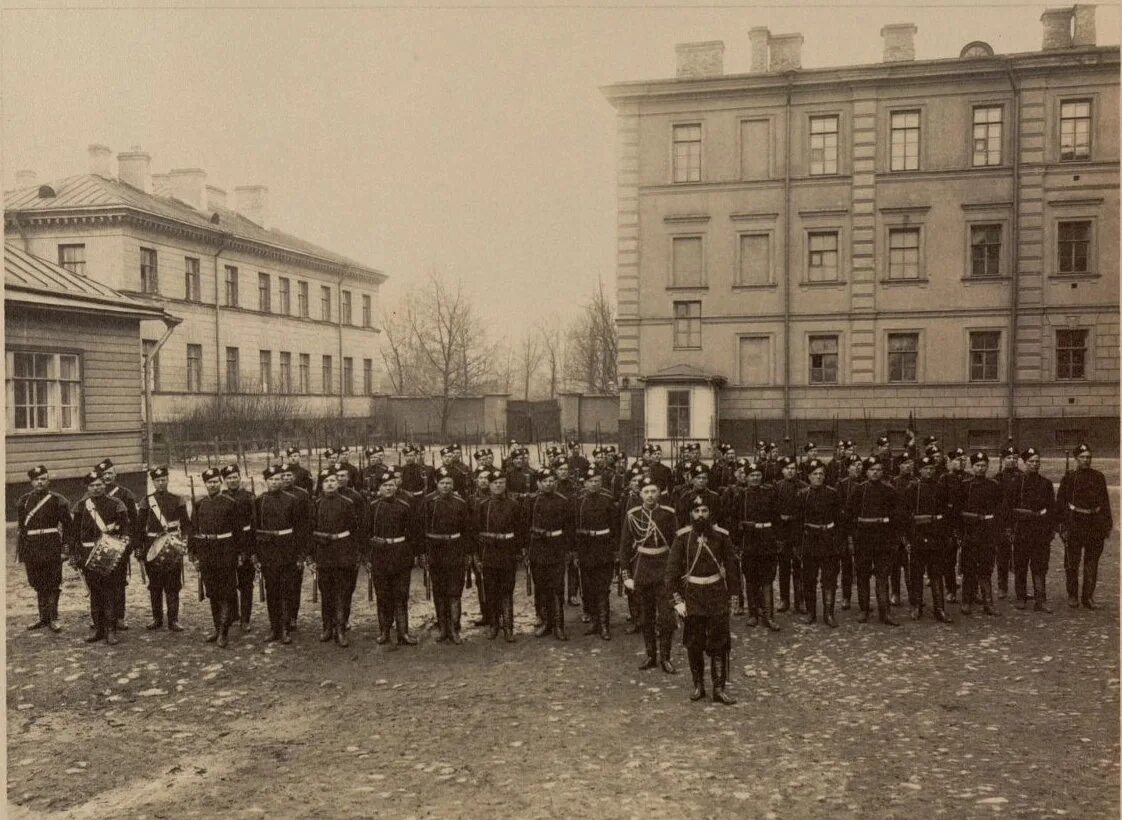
{"x":1015,"y":716}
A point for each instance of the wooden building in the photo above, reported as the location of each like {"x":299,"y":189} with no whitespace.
{"x":73,"y":379}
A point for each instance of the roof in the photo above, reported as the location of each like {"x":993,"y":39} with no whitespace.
{"x":90,"y":191}
{"x":34,"y":280}
{"x":683,"y":373}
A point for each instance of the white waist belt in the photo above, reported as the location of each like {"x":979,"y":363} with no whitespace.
{"x":757,"y":525}
{"x":653,"y":550}
{"x":594,"y":532}
{"x":978,"y":516}
{"x":1074,"y":508}
{"x":703,"y":579}
{"x":443,"y":536}
{"x":548,"y":533}
{"x":377,"y":540}
{"x":218,"y":537}
{"x":331,"y":536}
{"x":278,"y":532}
{"x":497,"y":536}
{"x":44,"y":532}
{"x":829,"y":526}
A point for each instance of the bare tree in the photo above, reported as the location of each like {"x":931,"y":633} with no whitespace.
{"x":553,"y":345}
{"x":396,"y":347}
{"x":593,"y":345}
{"x":530,"y":355}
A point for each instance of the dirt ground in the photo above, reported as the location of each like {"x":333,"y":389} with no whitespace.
{"x":1015,"y":716}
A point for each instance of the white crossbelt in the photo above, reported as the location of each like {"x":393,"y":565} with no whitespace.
{"x":703,"y":579}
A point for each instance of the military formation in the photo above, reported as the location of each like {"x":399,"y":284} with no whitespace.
{"x":687,"y":545}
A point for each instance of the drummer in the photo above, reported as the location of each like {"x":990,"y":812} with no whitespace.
{"x":163,"y":514}
{"x":100,"y":518}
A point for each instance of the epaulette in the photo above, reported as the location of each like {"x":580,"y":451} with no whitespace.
{"x":684,"y":530}
{"x":348,"y":499}
{"x":668,"y":508}
{"x":633,"y":509}
{"x":401,"y":501}
{"x":720,"y":529}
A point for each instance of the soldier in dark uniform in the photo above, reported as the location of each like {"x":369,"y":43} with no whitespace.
{"x":644,"y":545}
{"x":773,"y":468}
{"x":819,"y":519}
{"x":698,"y":485}
{"x":810,"y":453}
{"x":457,"y":464}
{"x":1085,"y":520}
{"x":215,"y":522}
{"x":349,"y":571}
{"x":835,"y":470}
{"x":519,"y":477}
{"x":578,"y":464}
{"x":391,"y":528}
{"x":300,"y":476}
{"x":1028,"y":511}
{"x":241,"y":599}
{"x":278,"y":549}
{"x":114,"y":490}
{"x":569,"y":487}
{"x":597,"y":534}
{"x":375,"y":469}
{"x":687,"y":459}
{"x":659,"y":472}
{"x":162,"y":512}
{"x":630,"y":499}
{"x":480,"y":490}
{"x":414,"y":474}
{"x":551,"y":543}
{"x":337,"y":530}
{"x":882,"y":449}
{"x":696,"y":570}
{"x":44,"y":523}
{"x":730,"y":499}
{"x":354,"y":474}
{"x":787,"y":491}
{"x":926,"y":511}
{"x":461,"y":478}
{"x":296,"y":570}
{"x":97,"y":514}
{"x":754,"y":517}
{"x":977,"y":508}
{"x":874,"y":512}
{"x":1010,"y":474}
{"x":951,"y":477}
{"x":899,"y":574}
{"x":847,"y":486}
{"x":497,"y":521}
{"x":446,"y":523}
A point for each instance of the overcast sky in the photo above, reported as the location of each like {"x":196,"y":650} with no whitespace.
{"x":471,"y":139}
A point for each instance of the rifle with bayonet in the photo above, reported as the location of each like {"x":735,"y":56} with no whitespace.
{"x":195,"y":512}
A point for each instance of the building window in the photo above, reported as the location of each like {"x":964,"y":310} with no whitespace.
{"x":73,"y":258}
{"x":266,"y":366}
{"x":686,"y":262}
{"x":302,"y":299}
{"x":148,"y":346}
{"x":823,"y":145}
{"x":44,"y":391}
{"x":367,"y":377}
{"x":1071,"y":354}
{"x":366,"y":318}
{"x":678,"y":413}
{"x":194,"y":368}
{"x":1074,"y":244}
{"x":755,"y":259}
{"x":687,"y":325}
{"x":755,"y":360}
{"x":192,"y":281}
{"x":1075,"y":130}
{"x":149,"y":272}
{"x":284,"y":384}
{"x":985,"y":346}
{"x":987,"y":135}
{"x":328,"y":376}
{"x":687,"y":153}
{"x":233,"y":370}
{"x":985,"y":250}
{"x":231,"y":286}
{"x":348,"y":376}
{"x":345,"y":307}
{"x":822,"y":256}
{"x":325,"y":303}
{"x":903,"y":356}
{"x":264,"y":293}
{"x":903,"y":253}
{"x":983,"y":439}
{"x":823,"y":359}
{"x":904,"y":141}
{"x":305,"y":374}
{"x":284,"y":293}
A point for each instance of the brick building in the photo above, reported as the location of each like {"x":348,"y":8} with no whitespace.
{"x":262,"y":310}
{"x":821,"y":252}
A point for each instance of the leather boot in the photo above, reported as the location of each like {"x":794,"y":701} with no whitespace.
{"x":110,"y":619}
{"x":665,"y":663}
{"x":224,"y":624}
{"x":754,"y":606}
{"x":1039,"y":594}
{"x":882,"y":602}
{"x":767,"y":609}
{"x":800,"y":590}
{"x":828,"y":597}
{"x":592,"y":616}
{"x":173,"y":612}
{"x":42,"y":622}
{"x":98,"y":629}
{"x":1090,"y":581}
{"x":652,"y":653}
{"x":559,"y":618}
{"x":52,"y":611}
{"x":157,"y":599}
{"x":385,"y":623}
{"x":605,"y":619}
{"x":341,"y":635}
{"x":245,"y":609}
{"x":440,"y":605}
{"x":917,"y":612}
{"x":938,"y":592}
{"x":328,"y":631}
{"x":719,"y":665}
{"x":401,"y":617}
{"x":494,"y":618}
{"x":987,"y":598}
{"x":341,"y":624}
{"x":454,"y":614}
{"x":784,"y":590}
{"x":697,"y":672}
{"x":809,"y":605}
{"x":215,"y":614}
{"x":508,"y":618}
{"x":863,"y":602}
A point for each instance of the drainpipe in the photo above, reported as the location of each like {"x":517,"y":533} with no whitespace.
{"x":339,"y":300}
{"x":170,"y":324}
{"x":1014,"y":289}
{"x":787,"y":261}
{"x":217,"y":311}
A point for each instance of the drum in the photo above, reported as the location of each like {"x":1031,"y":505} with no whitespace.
{"x":166,"y":552}
{"x":106,"y":555}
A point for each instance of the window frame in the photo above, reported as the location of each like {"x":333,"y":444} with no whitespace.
{"x":921,"y":268}
{"x":303,"y":297}
{"x":265,"y":370}
{"x":367,"y":310}
{"x":347,"y":376}
{"x":1057,"y":257}
{"x":69,"y":246}
{"x":284,"y":295}
{"x":304,"y":374}
{"x":998,"y":359}
{"x":149,"y":273}
{"x":1087,"y":358}
{"x":284,"y":373}
{"x":674,"y":142}
{"x":231,"y":282}
{"x":52,"y":383}
{"x":233,"y":385}
{"x":769,"y":379}
{"x":918,"y":353}
{"x":974,"y":108}
{"x":264,"y":292}
{"x":768,"y":234}
{"x":194,"y":373}
{"x":1060,"y":103}
{"x":345,"y":307}
{"x":810,"y":135}
{"x":809,"y":338}
{"x":809,"y":232}
{"x":674,"y":422}
{"x":892,"y":114}
{"x":983,"y":224}
{"x":703,"y":281}
{"x":688,"y":333}
{"x":325,"y":303}
{"x":327,"y":374}
{"x":368,"y":377}
{"x":192,"y":279}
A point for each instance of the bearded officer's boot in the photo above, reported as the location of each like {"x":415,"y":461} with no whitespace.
{"x":454,"y":614}
{"x":767,"y":608}
{"x":341,"y":625}
{"x":720,"y":666}
{"x":665,"y":643}
{"x":173,"y":612}
{"x":52,"y":611}
{"x":939,"y":594}
{"x":1039,"y":593}
{"x":157,"y":600}
{"x":559,"y":617}
{"x":697,"y":672}
{"x":441,"y":606}
{"x":401,"y":617}
{"x":828,"y":597}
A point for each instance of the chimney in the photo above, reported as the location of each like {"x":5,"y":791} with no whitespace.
{"x":25,"y":179}
{"x":100,"y":161}
{"x":1084,"y":26}
{"x":188,"y":186}
{"x":133,"y":169}
{"x":700,"y":59}
{"x":252,"y":202}
{"x":215,"y":198}
{"x":899,"y":42}
{"x":786,"y":52}
{"x":1057,"y":29}
{"x":758,"y":36}
{"x":161,"y":184}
